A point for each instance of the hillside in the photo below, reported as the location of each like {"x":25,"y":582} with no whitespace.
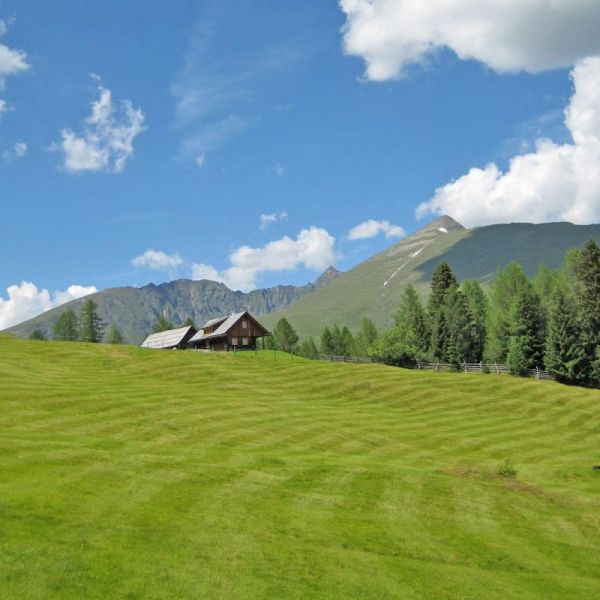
{"x":130,"y":473}
{"x":135,"y":310}
{"x":373,"y":288}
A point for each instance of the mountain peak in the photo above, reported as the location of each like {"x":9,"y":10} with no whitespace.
{"x":327,"y":277}
{"x":445,"y":223}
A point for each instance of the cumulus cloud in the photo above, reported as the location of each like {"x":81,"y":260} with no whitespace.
{"x":12,"y":62}
{"x":106,"y":140}
{"x":313,"y":249}
{"x":505,"y":35}
{"x":371,"y":228}
{"x":200,"y":160}
{"x":19,"y":150}
{"x":25,"y":301}
{"x":270,"y":218}
{"x":556,"y":182}
{"x":158,"y":261}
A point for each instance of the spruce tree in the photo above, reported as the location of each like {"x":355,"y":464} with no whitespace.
{"x":366,"y":337}
{"x":412,"y":322}
{"x":327,"y":346}
{"x":565,"y":356}
{"x":308,"y":348}
{"x":589,"y":300}
{"x":527,"y":330}
{"x":189,"y":322}
{"x":477,"y":309}
{"x":162,"y":324}
{"x":66,"y":327}
{"x":440,"y":336}
{"x":443,"y":280}
{"x":114,"y":336}
{"x":517,"y":355}
{"x":37,"y":334}
{"x":460,"y":346}
{"x":508,"y":283}
{"x":91,"y":326}
{"x":284,"y":336}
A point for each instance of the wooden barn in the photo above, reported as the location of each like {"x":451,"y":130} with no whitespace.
{"x":238,"y":331}
{"x":170,"y":339}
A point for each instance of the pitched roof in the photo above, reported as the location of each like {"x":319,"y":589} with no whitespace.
{"x":166,"y":339}
{"x":212,"y":322}
{"x":221,"y":330}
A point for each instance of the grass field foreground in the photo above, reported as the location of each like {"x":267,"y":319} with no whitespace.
{"x":130,"y":473}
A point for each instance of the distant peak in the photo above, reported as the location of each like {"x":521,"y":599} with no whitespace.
{"x":445,"y":223}
{"x":327,"y":276}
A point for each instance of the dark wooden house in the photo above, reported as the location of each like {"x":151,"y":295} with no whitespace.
{"x":238,"y":331}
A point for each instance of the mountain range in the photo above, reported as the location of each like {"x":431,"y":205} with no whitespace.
{"x":371,"y":289}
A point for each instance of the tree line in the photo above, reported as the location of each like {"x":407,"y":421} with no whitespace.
{"x":550,"y":322}
{"x":87,"y":326}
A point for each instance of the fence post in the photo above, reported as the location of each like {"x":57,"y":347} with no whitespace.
{"x":497,"y":369}
{"x":437,"y":367}
{"x":537,"y":372}
{"x":466,"y":367}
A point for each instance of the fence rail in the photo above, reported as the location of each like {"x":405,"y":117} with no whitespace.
{"x":465,"y":367}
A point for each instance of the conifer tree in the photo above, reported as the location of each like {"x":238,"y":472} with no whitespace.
{"x":516,"y":355}
{"x":508,"y":283}
{"x":366,"y":337}
{"x":412,"y":322}
{"x":588,"y":273}
{"x":440,"y":336}
{"x":327,"y":346}
{"x":66,"y":327}
{"x":443,"y":280}
{"x":460,"y":346}
{"x":308,"y":348}
{"x":285,"y":336}
{"x":526,"y":330}
{"x":565,"y":356}
{"x":477,"y":308}
{"x":91,"y":326}
{"x":189,"y":322}
{"x":162,"y":324}
{"x":114,"y":336}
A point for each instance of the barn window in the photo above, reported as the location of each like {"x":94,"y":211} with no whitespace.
{"x":244,"y":324}
{"x":234,"y":342}
{"x":244,"y":341}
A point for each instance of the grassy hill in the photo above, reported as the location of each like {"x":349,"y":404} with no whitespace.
{"x":130,"y":473}
{"x":374,"y":287}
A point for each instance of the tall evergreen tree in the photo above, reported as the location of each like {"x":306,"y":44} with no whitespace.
{"x":91,"y":325}
{"x":461,"y":342}
{"x":162,"y":324}
{"x":66,"y":327}
{"x":189,"y":322}
{"x":527,"y":338}
{"x":114,"y":336}
{"x":327,"y":346}
{"x":588,"y":273}
{"x":285,"y":336}
{"x":565,"y":356}
{"x":508,"y":283}
{"x":308,"y":348}
{"x":443,"y":280}
{"x":440,"y":336}
{"x":366,"y":337}
{"x":37,"y":334}
{"x":412,"y":322}
{"x":477,"y":307}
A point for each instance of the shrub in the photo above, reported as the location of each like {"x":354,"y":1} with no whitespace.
{"x":507,"y":470}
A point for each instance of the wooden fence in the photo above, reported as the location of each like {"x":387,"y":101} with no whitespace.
{"x":496,"y":368}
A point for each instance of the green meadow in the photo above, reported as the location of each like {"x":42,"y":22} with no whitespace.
{"x":130,"y":473}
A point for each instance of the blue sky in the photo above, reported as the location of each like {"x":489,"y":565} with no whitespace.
{"x":210,"y":114}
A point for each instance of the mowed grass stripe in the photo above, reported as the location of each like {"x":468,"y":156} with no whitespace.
{"x":132,"y":473}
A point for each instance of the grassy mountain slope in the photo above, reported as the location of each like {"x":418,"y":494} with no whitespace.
{"x":130,"y":473}
{"x":476,"y":253}
{"x":135,"y":310}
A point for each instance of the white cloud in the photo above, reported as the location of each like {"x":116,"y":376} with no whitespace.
{"x":505,"y":35}
{"x":313,"y":249}
{"x":279,"y":170}
{"x":371,"y":228}
{"x":158,"y":261}
{"x":25,"y":301}
{"x":19,"y":150}
{"x":202,"y":271}
{"x":270,"y":218}
{"x":200,"y":160}
{"x":12,"y":62}
{"x":556,"y":182}
{"x":106,"y":142}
